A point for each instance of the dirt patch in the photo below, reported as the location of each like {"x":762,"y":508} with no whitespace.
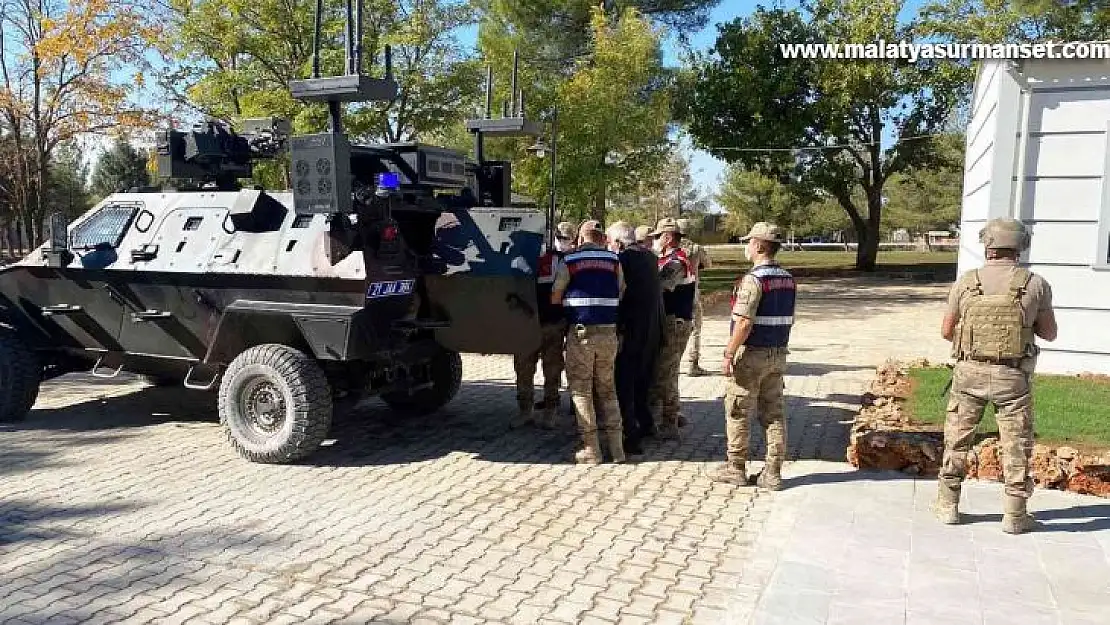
{"x":885,"y":436}
{"x":1097,"y":378}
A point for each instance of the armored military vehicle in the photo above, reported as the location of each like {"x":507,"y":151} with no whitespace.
{"x":370,"y":276}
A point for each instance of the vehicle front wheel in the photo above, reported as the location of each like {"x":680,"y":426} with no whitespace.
{"x":446,"y":379}
{"x":20,"y":376}
{"x":275,"y":404}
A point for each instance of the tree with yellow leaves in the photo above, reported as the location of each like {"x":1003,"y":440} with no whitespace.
{"x":69,"y":69}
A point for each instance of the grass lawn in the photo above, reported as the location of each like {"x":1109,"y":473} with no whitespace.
{"x":1067,"y":409}
{"x":729,"y":263}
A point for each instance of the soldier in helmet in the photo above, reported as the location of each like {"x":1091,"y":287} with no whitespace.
{"x":553,"y":329}
{"x":993,"y":314}
{"x":699,"y":259}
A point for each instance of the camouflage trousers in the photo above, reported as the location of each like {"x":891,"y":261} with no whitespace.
{"x":664,"y":398}
{"x":550,"y":352}
{"x":591,"y":357}
{"x":973,"y":385}
{"x":756,"y":384}
{"x":695,"y":335}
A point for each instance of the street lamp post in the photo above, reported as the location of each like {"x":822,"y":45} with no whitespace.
{"x":539,"y":150}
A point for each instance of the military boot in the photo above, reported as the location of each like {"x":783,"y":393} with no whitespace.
{"x":947,"y":506}
{"x":770,"y":477}
{"x":616,"y":445}
{"x":523,"y":416}
{"x":696,"y":371}
{"x":669,"y":432}
{"x":550,"y":418}
{"x":590,"y":452}
{"x":734,"y":473}
{"x":1016,"y":519}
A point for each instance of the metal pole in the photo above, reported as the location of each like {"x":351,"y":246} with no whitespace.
{"x":316,"y":40}
{"x":554,"y":150}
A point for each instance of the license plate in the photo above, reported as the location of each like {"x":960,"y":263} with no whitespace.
{"x":389,"y":288}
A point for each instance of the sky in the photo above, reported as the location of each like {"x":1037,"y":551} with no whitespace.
{"x":706,"y":170}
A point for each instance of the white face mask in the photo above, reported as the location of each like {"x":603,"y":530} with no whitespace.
{"x":657,"y":246}
{"x":561,"y":245}
{"x":748,"y":253}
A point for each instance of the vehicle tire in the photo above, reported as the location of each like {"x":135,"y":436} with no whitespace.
{"x":446,"y":380}
{"x":20,"y":376}
{"x":275,"y":404}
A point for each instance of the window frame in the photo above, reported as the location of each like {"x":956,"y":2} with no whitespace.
{"x":135,"y":208}
{"x":1102,"y":248}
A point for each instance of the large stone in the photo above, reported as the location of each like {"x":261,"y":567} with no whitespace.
{"x":1090,"y":480}
{"x":917,"y":453}
{"x":1048,"y":469}
{"x":986,"y":464}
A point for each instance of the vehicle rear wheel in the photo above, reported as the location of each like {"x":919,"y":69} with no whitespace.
{"x":275,"y":404}
{"x":20,"y":376}
{"x":446,"y":378}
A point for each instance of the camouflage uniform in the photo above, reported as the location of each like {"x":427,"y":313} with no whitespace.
{"x":677,"y":279}
{"x":996,"y":354}
{"x":587,"y":281}
{"x":553,"y":329}
{"x":766,"y":296}
{"x":699,"y":258}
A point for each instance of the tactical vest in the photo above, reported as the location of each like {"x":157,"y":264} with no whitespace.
{"x":593,"y":295}
{"x":548,"y":312}
{"x":992,"y":327}
{"x":680,"y":301}
{"x":775,"y":314}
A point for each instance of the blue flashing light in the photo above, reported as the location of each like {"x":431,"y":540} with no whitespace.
{"x":389,"y":180}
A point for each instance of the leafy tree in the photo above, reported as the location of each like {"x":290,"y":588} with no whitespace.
{"x":613,"y":113}
{"x":551,"y":33}
{"x":120,"y":167}
{"x":923,"y":199}
{"x":67,"y":190}
{"x":1002,"y":21}
{"x":750,"y":196}
{"x":235,"y":58}
{"x":69,"y":69}
{"x":670,"y":192}
{"x":745,"y":94}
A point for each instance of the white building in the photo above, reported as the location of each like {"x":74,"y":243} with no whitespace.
{"x":1037,"y":146}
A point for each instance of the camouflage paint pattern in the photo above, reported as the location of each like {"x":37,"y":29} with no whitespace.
{"x":756,"y":385}
{"x":665,"y":400}
{"x":551,"y":353}
{"x":591,"y":356}
{"x":1008,"y":388}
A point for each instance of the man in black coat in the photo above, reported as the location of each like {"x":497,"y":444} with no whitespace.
{"x":640,"y":324}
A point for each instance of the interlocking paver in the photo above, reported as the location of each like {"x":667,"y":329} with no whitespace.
{"x":123,"y":508}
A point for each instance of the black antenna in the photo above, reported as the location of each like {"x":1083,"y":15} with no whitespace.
{"x":316,"y":40}
{"x":512,"y":89}
{"x":358,"y":38}
{"x":489,"y":91}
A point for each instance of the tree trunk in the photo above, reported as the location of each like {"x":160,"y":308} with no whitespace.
{"x":597,"y":211}
{"x":867,"y":252}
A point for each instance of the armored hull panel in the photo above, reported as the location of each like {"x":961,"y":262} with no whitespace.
{"x":156,"y":274}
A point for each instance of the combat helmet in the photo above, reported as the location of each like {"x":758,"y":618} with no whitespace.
{"x":1004,"y":233}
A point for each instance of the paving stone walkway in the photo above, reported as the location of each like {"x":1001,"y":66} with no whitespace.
{"x":120,"y":503}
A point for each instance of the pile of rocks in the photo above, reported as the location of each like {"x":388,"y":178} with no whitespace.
{"x":885,"y":437}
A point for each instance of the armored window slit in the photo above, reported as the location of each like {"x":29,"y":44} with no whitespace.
{"x":193,"y":223}
{"x":106,"y":226}
{"x":180,"y":246}
{"x":302,"y":221}
{"x":235,"y":258}
{"x":289,"y":248}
